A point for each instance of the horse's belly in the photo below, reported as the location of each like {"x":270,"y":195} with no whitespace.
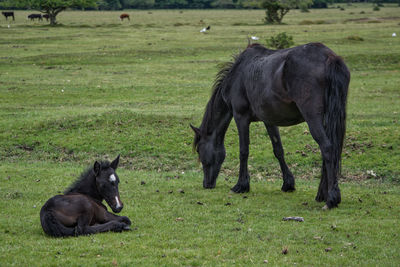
{"x":68,"y":220}
{"x":279,"y":115}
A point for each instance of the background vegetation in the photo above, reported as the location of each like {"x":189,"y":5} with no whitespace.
{"x":95,"y":87}
{"x":196,"y":4}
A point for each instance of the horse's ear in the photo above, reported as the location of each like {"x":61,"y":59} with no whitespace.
{"x":115,"y":162}
{"x":196,"y":130}
{"x":96,"y":168}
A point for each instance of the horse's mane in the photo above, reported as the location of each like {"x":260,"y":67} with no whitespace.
{"x":217,"y":88}
{"x":222,"y":83}
{"x":85,"y":176}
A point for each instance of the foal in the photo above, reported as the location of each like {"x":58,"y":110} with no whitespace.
{"x":80,"y":210}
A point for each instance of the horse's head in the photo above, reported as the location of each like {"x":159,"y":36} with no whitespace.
{"x":107,"y":184}
{"x":211,"y":155}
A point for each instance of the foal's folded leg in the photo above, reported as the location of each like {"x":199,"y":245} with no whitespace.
{"x":113,"y":226}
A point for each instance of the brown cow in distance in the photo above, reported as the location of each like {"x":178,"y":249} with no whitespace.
{"x":123,"y":16}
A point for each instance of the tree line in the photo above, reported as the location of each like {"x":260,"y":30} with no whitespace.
{"x":194,"y":4}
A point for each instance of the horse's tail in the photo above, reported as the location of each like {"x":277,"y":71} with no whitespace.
{"x":52,"y":226}
{"x":334,"y":120}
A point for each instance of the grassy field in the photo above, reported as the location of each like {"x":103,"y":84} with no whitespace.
{"x":95,"y":87}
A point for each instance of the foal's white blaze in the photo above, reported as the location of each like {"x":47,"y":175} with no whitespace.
{"x":118,"y":203}
{"x":113,"y":178}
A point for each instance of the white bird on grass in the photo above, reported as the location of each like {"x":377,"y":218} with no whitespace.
{"x":205,"y":29}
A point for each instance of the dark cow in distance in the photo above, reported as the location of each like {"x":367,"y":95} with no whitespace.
{"x":46,"y":16}
{"x":35,"y":16}
{"x":8,"y":14}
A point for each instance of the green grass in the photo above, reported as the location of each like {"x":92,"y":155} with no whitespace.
{"x":94,"y":87}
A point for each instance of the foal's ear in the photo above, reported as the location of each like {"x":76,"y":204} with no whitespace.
{"x":196,"y":130}
{"x":96,"y":168}
{"x":115,"y":162}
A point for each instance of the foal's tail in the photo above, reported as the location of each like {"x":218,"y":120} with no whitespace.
{"x":52,"y":226}
{"x":334,"y":120}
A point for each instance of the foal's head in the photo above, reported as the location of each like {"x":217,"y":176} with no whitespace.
{"x":211,"y":155}
{"x":107,"y":184}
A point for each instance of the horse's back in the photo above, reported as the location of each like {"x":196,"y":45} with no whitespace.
{"x":276,"y":82}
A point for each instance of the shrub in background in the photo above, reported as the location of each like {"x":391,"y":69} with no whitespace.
{"x":280,"y":41}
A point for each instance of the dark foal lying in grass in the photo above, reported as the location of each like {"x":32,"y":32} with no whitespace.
{"x":80,"y":210}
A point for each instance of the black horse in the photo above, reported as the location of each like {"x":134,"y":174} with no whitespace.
{"x":80,"y":210}
{"x":35,"y":16}
{"x":280,"y":88}
{"x":8,"y":14}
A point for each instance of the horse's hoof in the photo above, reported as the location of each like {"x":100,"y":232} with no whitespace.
{"x":127,"y":228}
{"x":288,"y":188}
{"x":126,"y":220}
{"x":334,"y":198}
{"x":240,"y":189}
{"x":325,"y":207}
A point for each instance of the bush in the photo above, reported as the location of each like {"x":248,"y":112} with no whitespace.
{"x":280,"y":41}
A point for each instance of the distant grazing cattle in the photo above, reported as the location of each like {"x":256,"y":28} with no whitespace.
{"x":46,"y":16}
{"x":123,"y":16}
{"x":8,"y":14}
{"x":35,"y":16}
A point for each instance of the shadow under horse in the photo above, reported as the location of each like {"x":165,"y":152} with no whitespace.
{"x":80,"y":210}
{"x":280,"y":88}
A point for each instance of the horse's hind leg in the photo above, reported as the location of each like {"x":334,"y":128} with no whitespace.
{"x":288,"y":179}
{"x":328,"y":189}
{"x":323,"y":185}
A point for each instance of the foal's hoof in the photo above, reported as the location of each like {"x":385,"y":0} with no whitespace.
{"x":126,"y":220}
{"x":241,"y":188}
{"x":127,"y":228}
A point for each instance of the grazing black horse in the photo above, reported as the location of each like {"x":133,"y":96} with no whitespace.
{"x":8,"y":14}
{"x":35,"y":16}
{"x":280,"y":88}
{"x":80,"y":211}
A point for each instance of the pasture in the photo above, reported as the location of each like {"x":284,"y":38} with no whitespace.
{"x":95,"y":87}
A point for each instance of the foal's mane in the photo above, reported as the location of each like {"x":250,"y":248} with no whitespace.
{"x":85,"y":176}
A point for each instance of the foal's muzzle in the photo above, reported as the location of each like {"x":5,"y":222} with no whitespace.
{"x":116,"y":205}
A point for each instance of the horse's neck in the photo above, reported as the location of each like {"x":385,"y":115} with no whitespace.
{"x":87,"y":187}
{"x":217,"y":118}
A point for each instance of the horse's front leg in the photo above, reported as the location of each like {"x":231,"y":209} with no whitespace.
{"x":111,"y":226}
{"x":112,"y":217}
{"x":288,"y":179}
{"x":83,"y":227}
{"x":243,"y":184}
